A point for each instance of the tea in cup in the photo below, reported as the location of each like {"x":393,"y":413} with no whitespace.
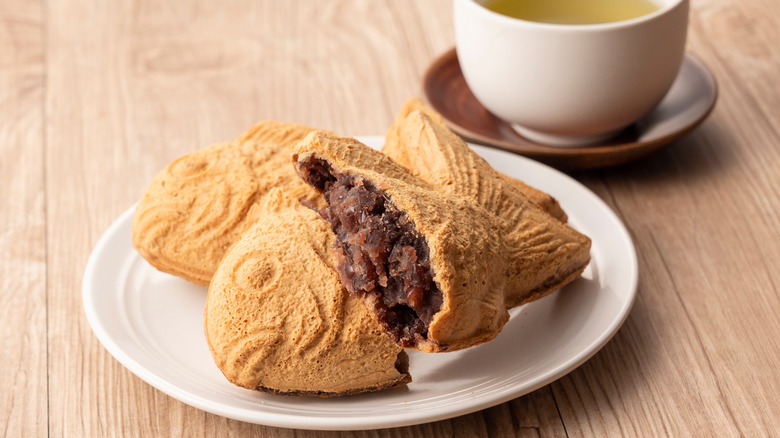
{"x":572,"y":11}
{"x":570,"y":72}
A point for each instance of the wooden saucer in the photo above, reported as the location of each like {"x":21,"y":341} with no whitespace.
{"x":688,"y":103}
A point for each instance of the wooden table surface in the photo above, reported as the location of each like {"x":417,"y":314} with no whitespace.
{"x":96,"y":97}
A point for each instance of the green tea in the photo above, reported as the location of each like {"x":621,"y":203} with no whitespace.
{"x":572,"y":11}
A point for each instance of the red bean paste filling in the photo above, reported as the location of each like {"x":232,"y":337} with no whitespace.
{"x":379,"y":252}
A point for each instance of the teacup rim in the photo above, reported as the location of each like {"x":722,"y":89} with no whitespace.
{"x":663,"y":10}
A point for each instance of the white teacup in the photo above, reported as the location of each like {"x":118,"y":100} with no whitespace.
{"x":570,"y":85}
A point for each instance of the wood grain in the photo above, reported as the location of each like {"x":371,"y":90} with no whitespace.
{"x":23,"y":394}
{"x":96,"y":97}
{"x":698,"y":347}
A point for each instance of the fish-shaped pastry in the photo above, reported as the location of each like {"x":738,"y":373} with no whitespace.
{"x":445,"y":161}
{"x":428,"y":159}
{"x":435,"y":267}
{"x":278,"y":319}
{"x":196,"y":207}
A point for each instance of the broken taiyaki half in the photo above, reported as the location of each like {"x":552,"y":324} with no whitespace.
{"x":278,"y":319}
{"x":432,"y":266}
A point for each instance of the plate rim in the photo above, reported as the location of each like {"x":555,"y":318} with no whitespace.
{"x":358,"y":422}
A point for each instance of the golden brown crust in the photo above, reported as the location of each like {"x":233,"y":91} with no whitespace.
{"x":198,"y":205}
{"x":489,"y":246}
{"x":543,"y":253}
{"x":277,"y":318}
{"x":427,"y":159}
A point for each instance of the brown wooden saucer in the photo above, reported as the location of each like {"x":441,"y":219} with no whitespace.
{"x":688,"y":103}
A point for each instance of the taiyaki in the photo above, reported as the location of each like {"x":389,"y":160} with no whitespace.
{"x":278,"y":319}
{"x":433,"y":266}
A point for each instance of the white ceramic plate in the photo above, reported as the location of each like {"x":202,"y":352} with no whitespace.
{"x":152,"y":323}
